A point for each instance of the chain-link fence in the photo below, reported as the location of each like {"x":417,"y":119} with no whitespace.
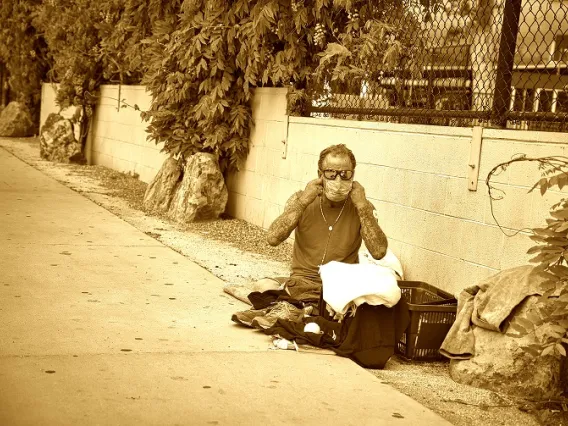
{"x":499,"y":63}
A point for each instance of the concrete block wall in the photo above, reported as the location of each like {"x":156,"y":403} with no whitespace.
{"x":258,"y":193}
{"x":118,"y":135}
{"x":417,"y":178}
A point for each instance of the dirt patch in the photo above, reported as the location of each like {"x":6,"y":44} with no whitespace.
{"x":126,"y":186}
{"x":226,"y":229}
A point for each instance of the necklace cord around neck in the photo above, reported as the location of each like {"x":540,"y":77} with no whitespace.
{"x":330,"y":227}
{"x":338,"y":216}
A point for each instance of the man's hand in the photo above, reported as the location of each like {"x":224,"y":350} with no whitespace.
{"x":313,"y":189}
{"x":358,"y":195}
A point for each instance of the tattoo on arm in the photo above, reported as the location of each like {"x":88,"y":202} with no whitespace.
{"x":372,"y":234}
{"x":284,"y":224}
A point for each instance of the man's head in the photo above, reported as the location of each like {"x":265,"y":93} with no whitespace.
{"x":336,"y":151}
{"x":337,"y":166}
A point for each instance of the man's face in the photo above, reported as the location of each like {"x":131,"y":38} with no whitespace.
{"x":338,"y":163}
{"x":337,"y":173}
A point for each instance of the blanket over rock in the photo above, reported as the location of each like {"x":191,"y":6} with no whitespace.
{"x":489,"y":305}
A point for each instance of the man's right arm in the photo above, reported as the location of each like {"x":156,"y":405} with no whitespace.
{"x":284,"y":224}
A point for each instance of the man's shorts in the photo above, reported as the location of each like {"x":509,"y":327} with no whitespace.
{"x":300,"y":288}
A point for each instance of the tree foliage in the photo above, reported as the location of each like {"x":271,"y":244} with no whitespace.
{"x":71,"y":30}
{"x":365,"y":44}
{"x":92,"y":43}
{"x":201,"y":69}
{"x":200,"y":59}
{"x":122,"y":52}
{"x":23,"y":50}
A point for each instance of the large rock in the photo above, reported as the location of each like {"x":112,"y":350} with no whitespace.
{"x":501,"y":365}
{"x":57,"y":141}
{"x":16,"y":121}
{"x":161,"y":190}
{"x":202,"y":193}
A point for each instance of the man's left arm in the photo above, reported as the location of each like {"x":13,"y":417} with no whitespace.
{"x":372,"y":234}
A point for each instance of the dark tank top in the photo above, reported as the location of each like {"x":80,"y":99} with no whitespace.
{"x":311,"y":237}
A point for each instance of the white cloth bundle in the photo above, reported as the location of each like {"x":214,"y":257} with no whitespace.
{"x":388,"y":261}
{"x":344,"y":284}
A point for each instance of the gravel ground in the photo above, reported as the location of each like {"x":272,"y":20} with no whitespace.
{"x":235,"y":251}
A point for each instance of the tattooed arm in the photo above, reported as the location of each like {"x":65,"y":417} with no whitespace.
{"x":284,"y":224}
{"x":372,"y":234}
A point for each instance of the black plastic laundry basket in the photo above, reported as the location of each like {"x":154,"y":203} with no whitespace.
{"x":432,"y":313}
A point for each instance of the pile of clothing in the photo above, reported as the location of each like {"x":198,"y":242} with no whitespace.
{"x":491,"y":304}
{"x":361,"y":314}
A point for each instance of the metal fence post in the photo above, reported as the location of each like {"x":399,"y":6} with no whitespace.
{"x":505,"y":62}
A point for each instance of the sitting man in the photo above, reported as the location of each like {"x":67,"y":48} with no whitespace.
{"x":331,"y":218}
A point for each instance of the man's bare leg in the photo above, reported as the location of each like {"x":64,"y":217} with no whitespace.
{"x":241,"y":292}
{"x":266,"y":284}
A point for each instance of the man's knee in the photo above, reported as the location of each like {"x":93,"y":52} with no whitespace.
{"x":265,"y":284}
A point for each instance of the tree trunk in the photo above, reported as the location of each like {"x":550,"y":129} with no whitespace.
{"x":484,"y":53}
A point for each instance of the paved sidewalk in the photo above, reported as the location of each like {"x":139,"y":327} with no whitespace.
{"x":102,"y":324}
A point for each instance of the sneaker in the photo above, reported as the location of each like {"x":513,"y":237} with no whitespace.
{"x":247,"y":317}
{"x":282,"y":310}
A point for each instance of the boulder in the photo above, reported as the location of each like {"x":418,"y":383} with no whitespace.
{"x":57,"y":141}
{"x":202,"y":194}
{"x":161,"y":190}
{"x":16,"y":121}
{"x":501,"y":365}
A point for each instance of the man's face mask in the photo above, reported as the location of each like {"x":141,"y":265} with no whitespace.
{"x":337,"y":190}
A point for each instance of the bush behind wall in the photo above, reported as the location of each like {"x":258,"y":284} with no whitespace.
{"x":200,"y":59}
